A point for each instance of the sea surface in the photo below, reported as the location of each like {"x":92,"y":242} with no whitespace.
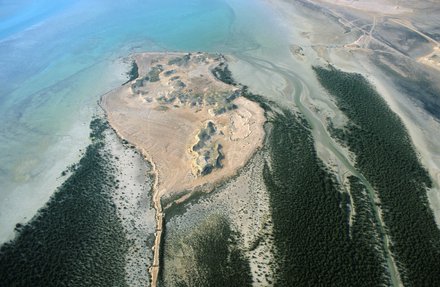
{"x":58,"y":57}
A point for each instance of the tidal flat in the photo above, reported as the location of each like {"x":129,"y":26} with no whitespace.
{"x":320,"y":246}
{"x":241,"y":202}
{"x":95,"y":229}
{"x":306,"y":205}
{"x":385,"y":155}
{"x":77,"y":238}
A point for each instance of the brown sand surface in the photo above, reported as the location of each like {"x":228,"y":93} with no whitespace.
{"x":194,"y":129}
{"x":166,"y":131}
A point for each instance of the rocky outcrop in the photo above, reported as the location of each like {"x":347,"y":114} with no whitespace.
{"x":207,"y":152}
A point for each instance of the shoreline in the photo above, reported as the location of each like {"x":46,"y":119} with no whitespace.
{"x":47,"y":181}
{"x":156,"y":200}
{"x":132,"y":197}
{"x":41,"y":176}
{"x":63,"y":234}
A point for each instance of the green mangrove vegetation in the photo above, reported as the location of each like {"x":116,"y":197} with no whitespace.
{"x":77,"y":238}
{"x":223,"y":73}
{"x":316,"y":244}
{"x":323,"y":235}
{"x":387,"y":159}
{"x":133,"y":74}
{"x":205,"y":255}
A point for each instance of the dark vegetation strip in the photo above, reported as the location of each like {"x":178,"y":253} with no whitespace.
{"x":387,"y":159}
{"x":211,"y":256}
{"x":222,"y":73}
{"x":77,"y":238}
{"x":315,"y":244}
{"x":133,"y":74}
{"x":365,"y":225}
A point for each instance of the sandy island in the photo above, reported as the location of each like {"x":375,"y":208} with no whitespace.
{"x":194,"y":129}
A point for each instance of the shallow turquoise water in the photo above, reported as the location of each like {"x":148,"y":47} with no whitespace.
{"x":56,"y":58}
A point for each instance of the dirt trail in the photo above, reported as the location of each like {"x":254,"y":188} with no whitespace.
{"x":408,"y":25}
{"x":159,"y":216}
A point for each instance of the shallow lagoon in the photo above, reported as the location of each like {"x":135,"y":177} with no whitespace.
{"x":57,"y":59}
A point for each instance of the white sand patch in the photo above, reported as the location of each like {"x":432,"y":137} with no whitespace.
{"x":133,"y":202}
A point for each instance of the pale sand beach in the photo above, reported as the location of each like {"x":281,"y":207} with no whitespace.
{"x":134,"y":207}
